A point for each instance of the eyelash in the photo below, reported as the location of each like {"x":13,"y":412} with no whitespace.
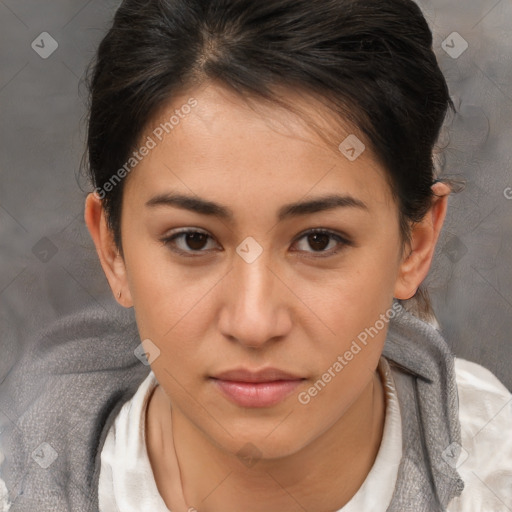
{"x":168,"y":241}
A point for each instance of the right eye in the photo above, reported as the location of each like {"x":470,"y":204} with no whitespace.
{"x":187,"y":241}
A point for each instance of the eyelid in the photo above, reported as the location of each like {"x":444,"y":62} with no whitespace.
{"x":335,"y":234}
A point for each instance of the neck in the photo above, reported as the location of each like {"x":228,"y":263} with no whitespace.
{"x":324,"y":475}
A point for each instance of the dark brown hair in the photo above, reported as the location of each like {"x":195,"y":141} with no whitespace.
{"x":370,"y":62}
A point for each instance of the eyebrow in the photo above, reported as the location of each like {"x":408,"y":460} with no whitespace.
{"x":205,"y":207}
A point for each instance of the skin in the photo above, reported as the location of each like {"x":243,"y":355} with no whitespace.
{"x":293,"y":308}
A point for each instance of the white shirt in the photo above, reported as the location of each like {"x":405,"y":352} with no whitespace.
{"x":485,"y":463}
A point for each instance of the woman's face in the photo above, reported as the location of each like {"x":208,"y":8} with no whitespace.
{"x":253,"y":291}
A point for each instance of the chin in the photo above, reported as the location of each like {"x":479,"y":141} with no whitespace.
{"x":260,"y":445}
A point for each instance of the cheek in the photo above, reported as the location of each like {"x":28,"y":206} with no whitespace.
{"x":346,"y":357}
{"x":163,"y":292}
{"x":355,"y":296}
{"x":167,"y":305}
{"x":356,"y":308}
{"x":175,"y":309}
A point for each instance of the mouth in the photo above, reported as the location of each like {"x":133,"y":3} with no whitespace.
{"x":263,"y":388}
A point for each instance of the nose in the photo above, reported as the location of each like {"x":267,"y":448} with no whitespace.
{"x":257,"y":306}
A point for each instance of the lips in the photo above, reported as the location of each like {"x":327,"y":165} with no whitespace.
{"x":263,"y":388}
{"x":265,"y":375}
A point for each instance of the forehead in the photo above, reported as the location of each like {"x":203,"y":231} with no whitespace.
{"x":209,"y":140}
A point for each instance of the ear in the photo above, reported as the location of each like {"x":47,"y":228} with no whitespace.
{"x":416,"y":261}
{"x":110,"y":258}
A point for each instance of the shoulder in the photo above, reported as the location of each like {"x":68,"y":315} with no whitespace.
{"x":470,"y":374}
{"x":485,"y":461}
{"x":485,"y":404}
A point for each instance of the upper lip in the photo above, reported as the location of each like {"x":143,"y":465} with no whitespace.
{"x":264,"y":375}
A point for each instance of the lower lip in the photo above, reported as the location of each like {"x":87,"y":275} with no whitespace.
{"x":257,"y":394}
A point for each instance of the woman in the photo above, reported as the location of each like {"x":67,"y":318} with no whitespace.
{"x":265,"y":199}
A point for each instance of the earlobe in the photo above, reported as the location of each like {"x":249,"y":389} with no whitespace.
{"x":111,"y":260}
{"x":424,"y":235}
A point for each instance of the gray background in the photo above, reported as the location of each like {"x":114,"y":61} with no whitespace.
{"x":49,"y":267}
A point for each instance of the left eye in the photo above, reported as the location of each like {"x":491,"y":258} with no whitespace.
{"x":319,"y":240}
{"x":192,"y":240}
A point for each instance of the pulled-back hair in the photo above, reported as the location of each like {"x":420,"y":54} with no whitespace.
{"x":369,"y":62}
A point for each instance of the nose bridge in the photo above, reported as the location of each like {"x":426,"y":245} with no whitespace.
{"x":256,"y":282}
{"x":256,"y":311}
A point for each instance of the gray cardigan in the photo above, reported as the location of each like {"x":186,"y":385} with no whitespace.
{"x":61,"y":398}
